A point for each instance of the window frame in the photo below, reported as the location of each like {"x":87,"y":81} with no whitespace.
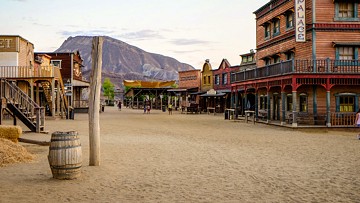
{"x":217,"y":79}
{"x":349,"y":19}
{"x":267,"y":31}
{"x":52,"y":62}
{"x":224,"y":79}
{"x":288,"y":25}
{"x":276,"y":27}
{"x":346,"y":94}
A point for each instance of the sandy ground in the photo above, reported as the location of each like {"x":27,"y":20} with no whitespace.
{"x":192,"y":158}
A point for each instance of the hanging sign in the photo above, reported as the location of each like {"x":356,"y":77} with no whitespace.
{"x":300,"y":32}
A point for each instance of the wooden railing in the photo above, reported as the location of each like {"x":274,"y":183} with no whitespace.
{"x":325,"y":66}
{"x":343,"y":119}
{"x":27,"y":71}
{"x":14,"y":95}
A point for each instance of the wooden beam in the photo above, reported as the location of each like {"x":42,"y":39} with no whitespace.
{"x":94,"y":101}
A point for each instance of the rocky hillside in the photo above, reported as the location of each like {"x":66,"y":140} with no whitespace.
{"x":123,"y":61}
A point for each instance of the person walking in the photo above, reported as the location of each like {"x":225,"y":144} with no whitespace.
{"x":170,"y":109}
{"x":357,"y":121}
{"x":119,"y":105}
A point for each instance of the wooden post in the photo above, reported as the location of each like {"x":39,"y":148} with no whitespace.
{"x":94,"y":101}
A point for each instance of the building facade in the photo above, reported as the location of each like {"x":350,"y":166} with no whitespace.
{"x":307,"y":63}
{"x":71,"y":71}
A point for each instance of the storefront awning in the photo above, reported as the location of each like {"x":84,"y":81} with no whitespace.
{"x":213,"y":95}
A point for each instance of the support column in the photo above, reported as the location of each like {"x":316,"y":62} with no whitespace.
{"x":283,"y":110}
{"x":53,"y":97}
{"x":268,"y":107}
{"x":236,"y":104}
{"x":328,"y":120}
{"x":256,"y":105}
{"x":294,"y":123}
{"x":137,"y":102}
{"x":37,"y":94}
{"x":232,"y":100}
{"x":32,"y":93}
{"x":58,"y":108}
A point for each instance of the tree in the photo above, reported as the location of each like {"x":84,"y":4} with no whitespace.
{"x":109,"y":89}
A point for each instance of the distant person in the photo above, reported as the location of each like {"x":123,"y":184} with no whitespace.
{"x":170,"y":109}
{"x":144,"y":108}
{"x":148,"y":108}
{"x":357,"y":121}
{"x":119,"y":105}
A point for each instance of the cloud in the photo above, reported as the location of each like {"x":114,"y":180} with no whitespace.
{"x":141,"y":35}
{"x":85,"y":32}
{"x":184,"y":52}
{"x":188,"y":41}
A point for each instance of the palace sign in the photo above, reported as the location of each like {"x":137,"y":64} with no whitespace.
{"x":300,"y":32}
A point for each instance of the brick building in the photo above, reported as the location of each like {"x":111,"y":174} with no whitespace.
{"x":307,"y":63}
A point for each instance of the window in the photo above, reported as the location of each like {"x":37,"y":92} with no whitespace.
{"x":224,"y":78}
{"x":276,"y":27}
{"x":263,"y":102}
{"x":204,"y":80}
{"x":250,"y":58}
{"x":267,"y":61}
{"x":347,"y":103}
{"x":276,"y":59}
{"x":208,"y":79}
{"x":345,"y":11}
{"x":56,"y":63}
{"x":290,"y":55}
{"x":244,"y":59}
{"x":267,"y":30}
{"x":346,"y":53}
{"x":303,"y":103}
{"x":289,"y":103}
{"x":289,"y":20}
{"x":217,"y":80}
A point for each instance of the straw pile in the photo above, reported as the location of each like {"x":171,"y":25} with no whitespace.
{"x":11,"y":152}
{"x":10,"y":132}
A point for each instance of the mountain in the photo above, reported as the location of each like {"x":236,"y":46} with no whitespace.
{"x":123,"y":61}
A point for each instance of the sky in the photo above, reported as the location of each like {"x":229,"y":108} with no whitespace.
{"x":190,"y":31}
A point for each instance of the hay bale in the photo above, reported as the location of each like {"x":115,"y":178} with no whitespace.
{"x":11,"y":152}
{"x":10,"y":132}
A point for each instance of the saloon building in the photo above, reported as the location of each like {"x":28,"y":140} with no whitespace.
{"x":308,"y":69}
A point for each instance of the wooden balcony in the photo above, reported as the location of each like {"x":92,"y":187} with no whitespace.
{"x":28,"y":71}
{"x":289,"y":67}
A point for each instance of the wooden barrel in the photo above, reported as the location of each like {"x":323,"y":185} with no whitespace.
{"x":65,"y":155}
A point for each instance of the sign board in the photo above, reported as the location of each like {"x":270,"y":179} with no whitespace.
{"x":68,"y":93}
{"x":300,"y":23}
{"x":211,"y":91}
{"x":8,"y":43}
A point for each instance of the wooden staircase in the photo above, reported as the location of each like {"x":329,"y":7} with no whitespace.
{"x":46,"y":85}
{"x":22,"y":106}
{"x":47,"y":92}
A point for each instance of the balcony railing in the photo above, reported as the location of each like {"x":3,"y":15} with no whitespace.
{"x":27,"y":71}
{"x":326,"y":66}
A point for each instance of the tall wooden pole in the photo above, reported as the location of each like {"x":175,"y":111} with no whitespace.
{"x":94,"y":101}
